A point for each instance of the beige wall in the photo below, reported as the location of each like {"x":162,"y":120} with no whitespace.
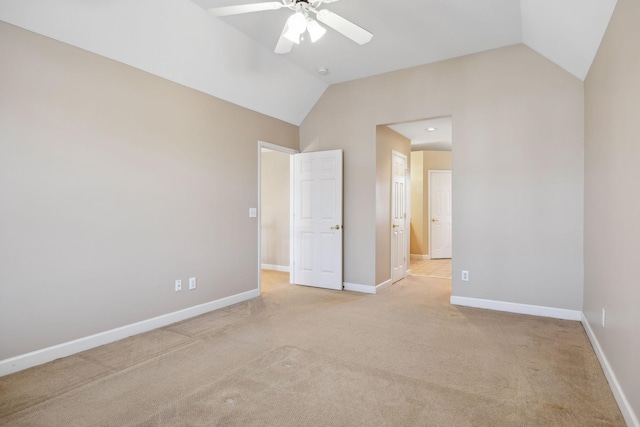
{"x":114,"y":183}
{"x":428,"y":161}
{"x":275,"y":213}
{"x":518,"y":211}
{"x":387,"y":140}
{"x":612,"y":198}
{"x":417,"y":243}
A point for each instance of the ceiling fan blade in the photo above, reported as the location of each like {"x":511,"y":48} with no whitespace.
{"x":245,"y":8}
{"x":317,"y":3}
{"x":344,"y":26}
{"x":284,"y":44}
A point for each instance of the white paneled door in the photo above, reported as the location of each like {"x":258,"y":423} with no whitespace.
{"x":398,"y":216}
{"x":317,"y":219}
{"x":440,"y":212}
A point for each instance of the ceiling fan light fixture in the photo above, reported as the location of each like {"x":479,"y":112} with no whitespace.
{"x":292,"y":36}
{"x":299,"y":22}
{"x":316,"y":31}
{"x":296,"y":25}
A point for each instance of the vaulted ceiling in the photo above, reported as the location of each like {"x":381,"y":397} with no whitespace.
{"x":232,"y":57}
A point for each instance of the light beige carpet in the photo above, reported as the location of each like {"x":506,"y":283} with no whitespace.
{"x":302,"y":356}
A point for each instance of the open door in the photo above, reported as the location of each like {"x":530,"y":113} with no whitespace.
{"x":317,"y":219}
{"x":440,"y":212}
{"x":398,"y":216}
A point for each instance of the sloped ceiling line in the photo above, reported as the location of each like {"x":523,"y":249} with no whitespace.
{"x":232,"y":58}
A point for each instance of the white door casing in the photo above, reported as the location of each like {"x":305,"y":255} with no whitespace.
{"x":399,"y":243}
{"x":440,"y":214}
{"x":317,"y":212}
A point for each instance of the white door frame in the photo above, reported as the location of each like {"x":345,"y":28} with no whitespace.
{"x":407,"y":225}
{"x":407,"y":218}
{"x":429,"y":213}
{"x":291,"y":152}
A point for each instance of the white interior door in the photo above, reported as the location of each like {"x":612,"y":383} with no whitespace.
{"x":398,"y":216}
{"x":317,"y":212}
{"x":440,"y":212}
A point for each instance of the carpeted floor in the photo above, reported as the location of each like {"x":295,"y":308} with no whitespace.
{"x":301,"y":356}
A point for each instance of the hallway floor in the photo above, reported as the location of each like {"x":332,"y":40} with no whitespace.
{"x":440,"y":268}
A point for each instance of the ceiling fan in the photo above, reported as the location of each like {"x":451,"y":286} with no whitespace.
{"x":301,"y":21}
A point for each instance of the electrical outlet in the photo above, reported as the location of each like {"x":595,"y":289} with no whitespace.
{"x":192,"y":283}
{"x":465,"y":276}
{"x":178,"y":285}
{"x":604,"y":318}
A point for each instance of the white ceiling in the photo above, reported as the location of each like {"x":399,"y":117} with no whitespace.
{"x":421,"y":139}
{"x":406,"y":33}
{"x":232,"y":57}
{"x":568,"y":32}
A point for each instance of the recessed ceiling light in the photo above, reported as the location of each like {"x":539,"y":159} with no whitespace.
{"x":432,"y":129}
{"x":323,"y":71}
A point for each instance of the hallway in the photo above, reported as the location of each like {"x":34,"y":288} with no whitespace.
{"x":440,"y":268}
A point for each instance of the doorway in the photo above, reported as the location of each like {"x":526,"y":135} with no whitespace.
{"x":431,"y":150}
{"x":274,"y":212}
{"x":300,"y":216}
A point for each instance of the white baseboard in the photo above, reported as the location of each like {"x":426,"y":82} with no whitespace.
{"x":625,"y":407}
{"x":511,"y":307}
{"x":383,"y":285}
{"x":283,"y":268}
{"x":38,"y":357}
{"x":354,"y":287}
{"x":419,"y":256}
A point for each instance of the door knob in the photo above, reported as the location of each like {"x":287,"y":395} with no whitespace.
{"x":395,"y":226}
{"x":336,"y":227}
{"x":434,"y":220}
